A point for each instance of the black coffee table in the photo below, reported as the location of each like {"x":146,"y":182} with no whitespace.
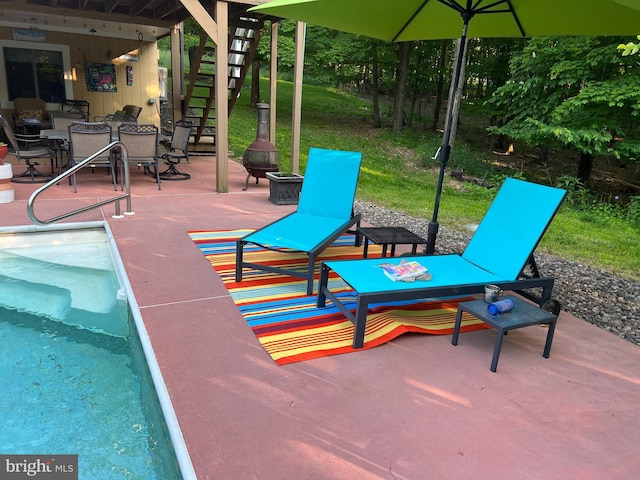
{"x":523,"y":315}
{"x":386,"y":236}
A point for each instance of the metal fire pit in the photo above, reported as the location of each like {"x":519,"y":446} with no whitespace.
{"x":261,"y":156}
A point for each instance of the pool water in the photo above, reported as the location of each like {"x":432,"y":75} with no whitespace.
{"x":74,"y":376}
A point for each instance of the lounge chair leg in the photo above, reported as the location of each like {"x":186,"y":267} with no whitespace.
{"x":239,"y":248}
{"x":323,"y":282}
{"x":310,"y":274}
{"x":360,"y":324}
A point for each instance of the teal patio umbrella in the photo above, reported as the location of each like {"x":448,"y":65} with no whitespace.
{"x":408,"y":20}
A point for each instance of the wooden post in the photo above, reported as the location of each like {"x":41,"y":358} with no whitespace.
{"x":273,"y":82}
{"x":218,"y":31}
{"x":297,"y":97}
{"x":222,"y":98}
{"x":177,"y":71}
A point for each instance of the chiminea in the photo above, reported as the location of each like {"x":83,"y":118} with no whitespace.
{"x":261,"y":156}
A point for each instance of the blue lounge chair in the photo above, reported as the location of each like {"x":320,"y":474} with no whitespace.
{"x":498,"y":253}
{"x":325,"y":211}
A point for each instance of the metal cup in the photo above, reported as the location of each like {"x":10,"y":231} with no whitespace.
{"x":492,"y":293}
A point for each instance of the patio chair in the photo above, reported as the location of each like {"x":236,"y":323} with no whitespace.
{"x":115,"y":120}
{"x":28,"y":112}
{"x":128,"y":110}
{"x":177,"y":149}
{"x":141,"y":141}
{"x":132,"y":110}
{"x":28,"y":155}
{"x":498,"y":253}
{"x":60,"y":120}
{"x":81,"y":106}
{"x":325,"y":211}
{"x":85,"y":139}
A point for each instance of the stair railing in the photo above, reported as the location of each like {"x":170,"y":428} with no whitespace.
{"x":74,"y":169}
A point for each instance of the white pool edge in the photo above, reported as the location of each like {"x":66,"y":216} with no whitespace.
{"x":175,"y":432}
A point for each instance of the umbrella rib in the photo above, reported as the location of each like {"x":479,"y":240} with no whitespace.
{"x":517,"y":20}
{"x":454,"y":5}
{"x":470,"y":10}
{"x":509,"y":9}
{"x":418,"y":10}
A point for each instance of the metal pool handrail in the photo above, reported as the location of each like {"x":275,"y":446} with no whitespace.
{"x":74,"y":169}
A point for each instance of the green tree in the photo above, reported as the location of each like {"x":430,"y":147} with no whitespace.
{"x":573,"y":92}
{"x":629,"y":48}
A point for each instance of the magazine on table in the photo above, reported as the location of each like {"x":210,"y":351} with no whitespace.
{"x":405,"y":271}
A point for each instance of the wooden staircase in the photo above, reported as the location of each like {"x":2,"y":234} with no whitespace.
{"x":244,"y":36}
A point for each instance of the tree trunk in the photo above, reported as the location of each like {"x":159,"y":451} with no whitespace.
{"x":544,"y":155}
{"x":440,"y":85}
{"x":480,"y":89}
{"x":585,"y":166}
{"x":374,"y":88}
{"x":501,"y":142}
{"x":415,"y":94}
{"x":404,"y":48}
{"x":255,"y":83}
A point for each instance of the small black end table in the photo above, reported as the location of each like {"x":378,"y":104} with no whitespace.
{"x":523,"y":315}
{"x":386,"y":236}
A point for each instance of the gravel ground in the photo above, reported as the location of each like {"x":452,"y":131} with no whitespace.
{"x":612,"y":303}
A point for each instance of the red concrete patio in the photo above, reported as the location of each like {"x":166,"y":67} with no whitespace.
{"x":415,"y":408}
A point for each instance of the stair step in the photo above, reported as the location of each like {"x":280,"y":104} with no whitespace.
{"x":64,"y":276}
{"x":243,"y":40}
{"x":42,"y":300}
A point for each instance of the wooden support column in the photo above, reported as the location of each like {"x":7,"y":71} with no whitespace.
{"x":297,"y":97}
{"x":201,"y":16}
{"x":273,"y":82}
{"x":177,"y":69}
{"x":222,"y":97}
{"x":218,"y":32}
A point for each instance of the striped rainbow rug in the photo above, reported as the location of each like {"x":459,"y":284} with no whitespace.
{"x":287,"y":322}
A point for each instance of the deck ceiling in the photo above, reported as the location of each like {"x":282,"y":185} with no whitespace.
{"x":114,"y":18}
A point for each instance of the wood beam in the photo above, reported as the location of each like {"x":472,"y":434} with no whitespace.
{"x":273,"y":82}
{"x":137,"y":7}
{"x":222,"y":97}
{"x":201,"y":16}
{"x":111,"y":5}
{"x":177,"y":69}
{"x":297,"y":96}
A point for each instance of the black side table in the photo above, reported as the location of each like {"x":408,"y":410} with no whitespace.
{"x":388,"y":236}
{"x":523,"y":315}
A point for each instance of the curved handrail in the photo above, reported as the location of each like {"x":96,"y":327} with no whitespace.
{"x":74,"y":169}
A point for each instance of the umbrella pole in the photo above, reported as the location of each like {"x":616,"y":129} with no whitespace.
{"x":445,"y":150}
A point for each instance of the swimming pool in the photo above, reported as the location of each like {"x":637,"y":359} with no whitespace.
{"x":79,"y":375}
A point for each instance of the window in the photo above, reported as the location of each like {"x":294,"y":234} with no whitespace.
{"x":34,"y":71}
{"x":34,"y":74}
